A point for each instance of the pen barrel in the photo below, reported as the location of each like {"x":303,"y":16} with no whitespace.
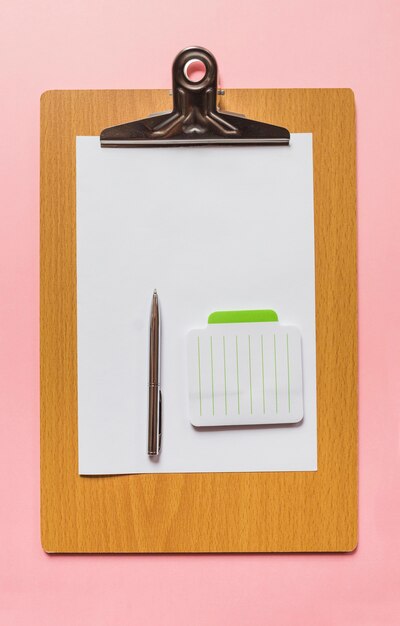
{"x":154,"y":356}
{"x":154,"y":361}
{"x":154,"y":430}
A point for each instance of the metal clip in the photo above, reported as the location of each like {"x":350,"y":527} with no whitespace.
{"x":195,"y":118}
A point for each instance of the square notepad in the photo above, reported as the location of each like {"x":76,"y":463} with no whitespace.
{"x":245,"y":374}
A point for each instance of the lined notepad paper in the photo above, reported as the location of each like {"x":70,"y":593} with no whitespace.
{"x":245,"y":374}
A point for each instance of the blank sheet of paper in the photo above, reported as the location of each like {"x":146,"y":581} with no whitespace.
{"x":211,"y":229}
{"x":245,"y":374}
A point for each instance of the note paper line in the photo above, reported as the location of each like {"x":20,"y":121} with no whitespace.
{"x":251,"y":387}
{"x":199,"y":370}
{"x":212,"y":375}
{"x":262,"y":371}
{"x":288,"y":369}
{"x":226,"y":399}
{"x":276,"y":378}
{"x":237,"y":376}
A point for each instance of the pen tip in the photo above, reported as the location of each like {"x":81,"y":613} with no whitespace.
{"x":155,"y":292}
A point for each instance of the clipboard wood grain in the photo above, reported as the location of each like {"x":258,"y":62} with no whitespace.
{"x":261,"y":512}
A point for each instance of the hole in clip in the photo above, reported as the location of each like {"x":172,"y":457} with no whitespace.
{"x":194,"y":70}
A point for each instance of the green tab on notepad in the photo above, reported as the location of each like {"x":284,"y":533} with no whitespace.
{"x":240,"y":317}
{"x":245,"y":368}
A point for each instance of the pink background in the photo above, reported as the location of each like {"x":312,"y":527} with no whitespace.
{"x":80,"y":44}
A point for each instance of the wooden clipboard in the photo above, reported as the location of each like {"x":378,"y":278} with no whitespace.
{"x":263,"y":512}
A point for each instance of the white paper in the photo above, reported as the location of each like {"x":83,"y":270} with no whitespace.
{"x":211,"y":229}
{"x":245,"y":374}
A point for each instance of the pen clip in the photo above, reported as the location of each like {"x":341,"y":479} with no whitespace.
{"x":159,"y":419}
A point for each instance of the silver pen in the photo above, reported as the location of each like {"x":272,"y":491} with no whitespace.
{"x":154,"y":440}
